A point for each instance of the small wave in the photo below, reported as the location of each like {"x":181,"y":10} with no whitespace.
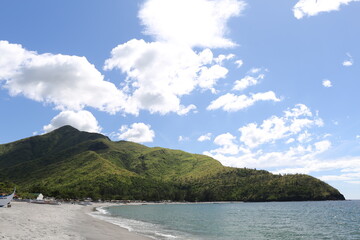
{"x":151,"y":230}
{"x":104,"y":216}
{"x":102,"y":210}
{"x":167,"y":236}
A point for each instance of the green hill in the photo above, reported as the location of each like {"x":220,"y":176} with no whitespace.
{"x":68,"y":163}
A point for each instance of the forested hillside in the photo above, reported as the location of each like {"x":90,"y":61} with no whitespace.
{"x":68,"y":163}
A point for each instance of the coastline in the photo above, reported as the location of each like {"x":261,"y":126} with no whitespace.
{"x":52,"y":222}
{"x":92,"y":228}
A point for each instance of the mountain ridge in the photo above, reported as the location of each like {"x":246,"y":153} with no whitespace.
{"x":68,"y":163}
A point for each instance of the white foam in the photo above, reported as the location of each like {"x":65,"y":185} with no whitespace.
{"x":102,"y":210}
{"x":167,"y":236}
{"x":151,"y":230}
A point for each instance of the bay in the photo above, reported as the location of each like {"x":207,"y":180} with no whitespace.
{"x":228,"y":221}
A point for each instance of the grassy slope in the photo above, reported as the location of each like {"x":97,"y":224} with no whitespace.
{"x":71,"y":164}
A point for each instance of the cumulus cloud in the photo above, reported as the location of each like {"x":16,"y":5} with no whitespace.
{"x":206,"y":137}
{"x":12,"y":57}
{"x":185,"y":110}
{"x":255,"y":70}
{"x":348,"y":62}
{"x":159,"y":74}
{"x":72,"y":83}
{"x":350,"y":170}
{"x":195,"y":23}
{"x":295,"y":159}
{"x":322,"y":146}
{"x":304,"y":137}
{"x":255,"y":145}
{"x":274,"y":128}
{"x":227,"y":144}
{"x":232,"y":103}
{"x":326,"y":83}
{"x":299,"y":157}
{"x":313,"y":7}
{"x":210,"y":75}
{"x":239,"y":63}
{"x":137,"y":132}
{"x":221,"y":58}
{"x":247,"y":81}
{"x":68,"y":82}
{"x":81,"y":120}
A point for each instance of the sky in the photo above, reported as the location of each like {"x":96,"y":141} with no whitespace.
{"x":269,"y":85}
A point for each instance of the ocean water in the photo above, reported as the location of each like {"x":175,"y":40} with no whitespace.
{"x":230,"y":221}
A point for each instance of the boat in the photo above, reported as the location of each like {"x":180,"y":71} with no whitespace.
{"x":5,"y":200}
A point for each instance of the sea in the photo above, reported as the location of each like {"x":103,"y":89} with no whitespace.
{"x":238,"y":220}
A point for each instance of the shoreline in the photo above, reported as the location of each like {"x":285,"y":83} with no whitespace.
{"x":67,"y":222}
{"x":93,"y":228}
{"x":24,"y":220}
{"x":52,"y":222}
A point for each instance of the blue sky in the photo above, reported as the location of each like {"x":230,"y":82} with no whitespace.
{"x":260,"y":84}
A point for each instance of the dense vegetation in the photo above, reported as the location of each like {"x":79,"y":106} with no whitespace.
{"x":67,"y":163}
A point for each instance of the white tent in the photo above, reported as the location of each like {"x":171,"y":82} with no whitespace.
{"x":40,"y":197}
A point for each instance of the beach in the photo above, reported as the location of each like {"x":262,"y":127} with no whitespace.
{"x":52,"y":222}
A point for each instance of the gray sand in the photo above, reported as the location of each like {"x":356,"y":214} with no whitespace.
{"x":53,"y":222}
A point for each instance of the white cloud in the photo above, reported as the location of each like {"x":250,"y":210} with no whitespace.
{"x":227,"y":143}
{"x":206,"y":137}
{"x":68,"y":82}
{"x":221,"y":58}
{"x":310,"y":163}
{"x":81,"y":120}
{"x":327,"y":135}
{"x":183,"y":139}
{"x":209,"y":76}
{"x":301,"y":158}
{"x":247,"y":81}
{"x":137,"y":132}
{"x":295,"y":159}
{"x":254,"y":70}
{"x":349,"y":170}
{"x":12,"y":57}
{"x":231,"y":103}
{"x":349,"y":62}
{"x":327,"y":83}
{"x":313,"y":7}
{"x":274,"y":128}
{"x":354,"y":182}
{"x":322,"y":146}
{"x":159,"y":74}
{"x":297,"y":150}
{"x":195,"y":23}
{"x":185,"y":110}
{"x":239,"y":63}
{"x":298,"y":111}
{"x":304,"y":137}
